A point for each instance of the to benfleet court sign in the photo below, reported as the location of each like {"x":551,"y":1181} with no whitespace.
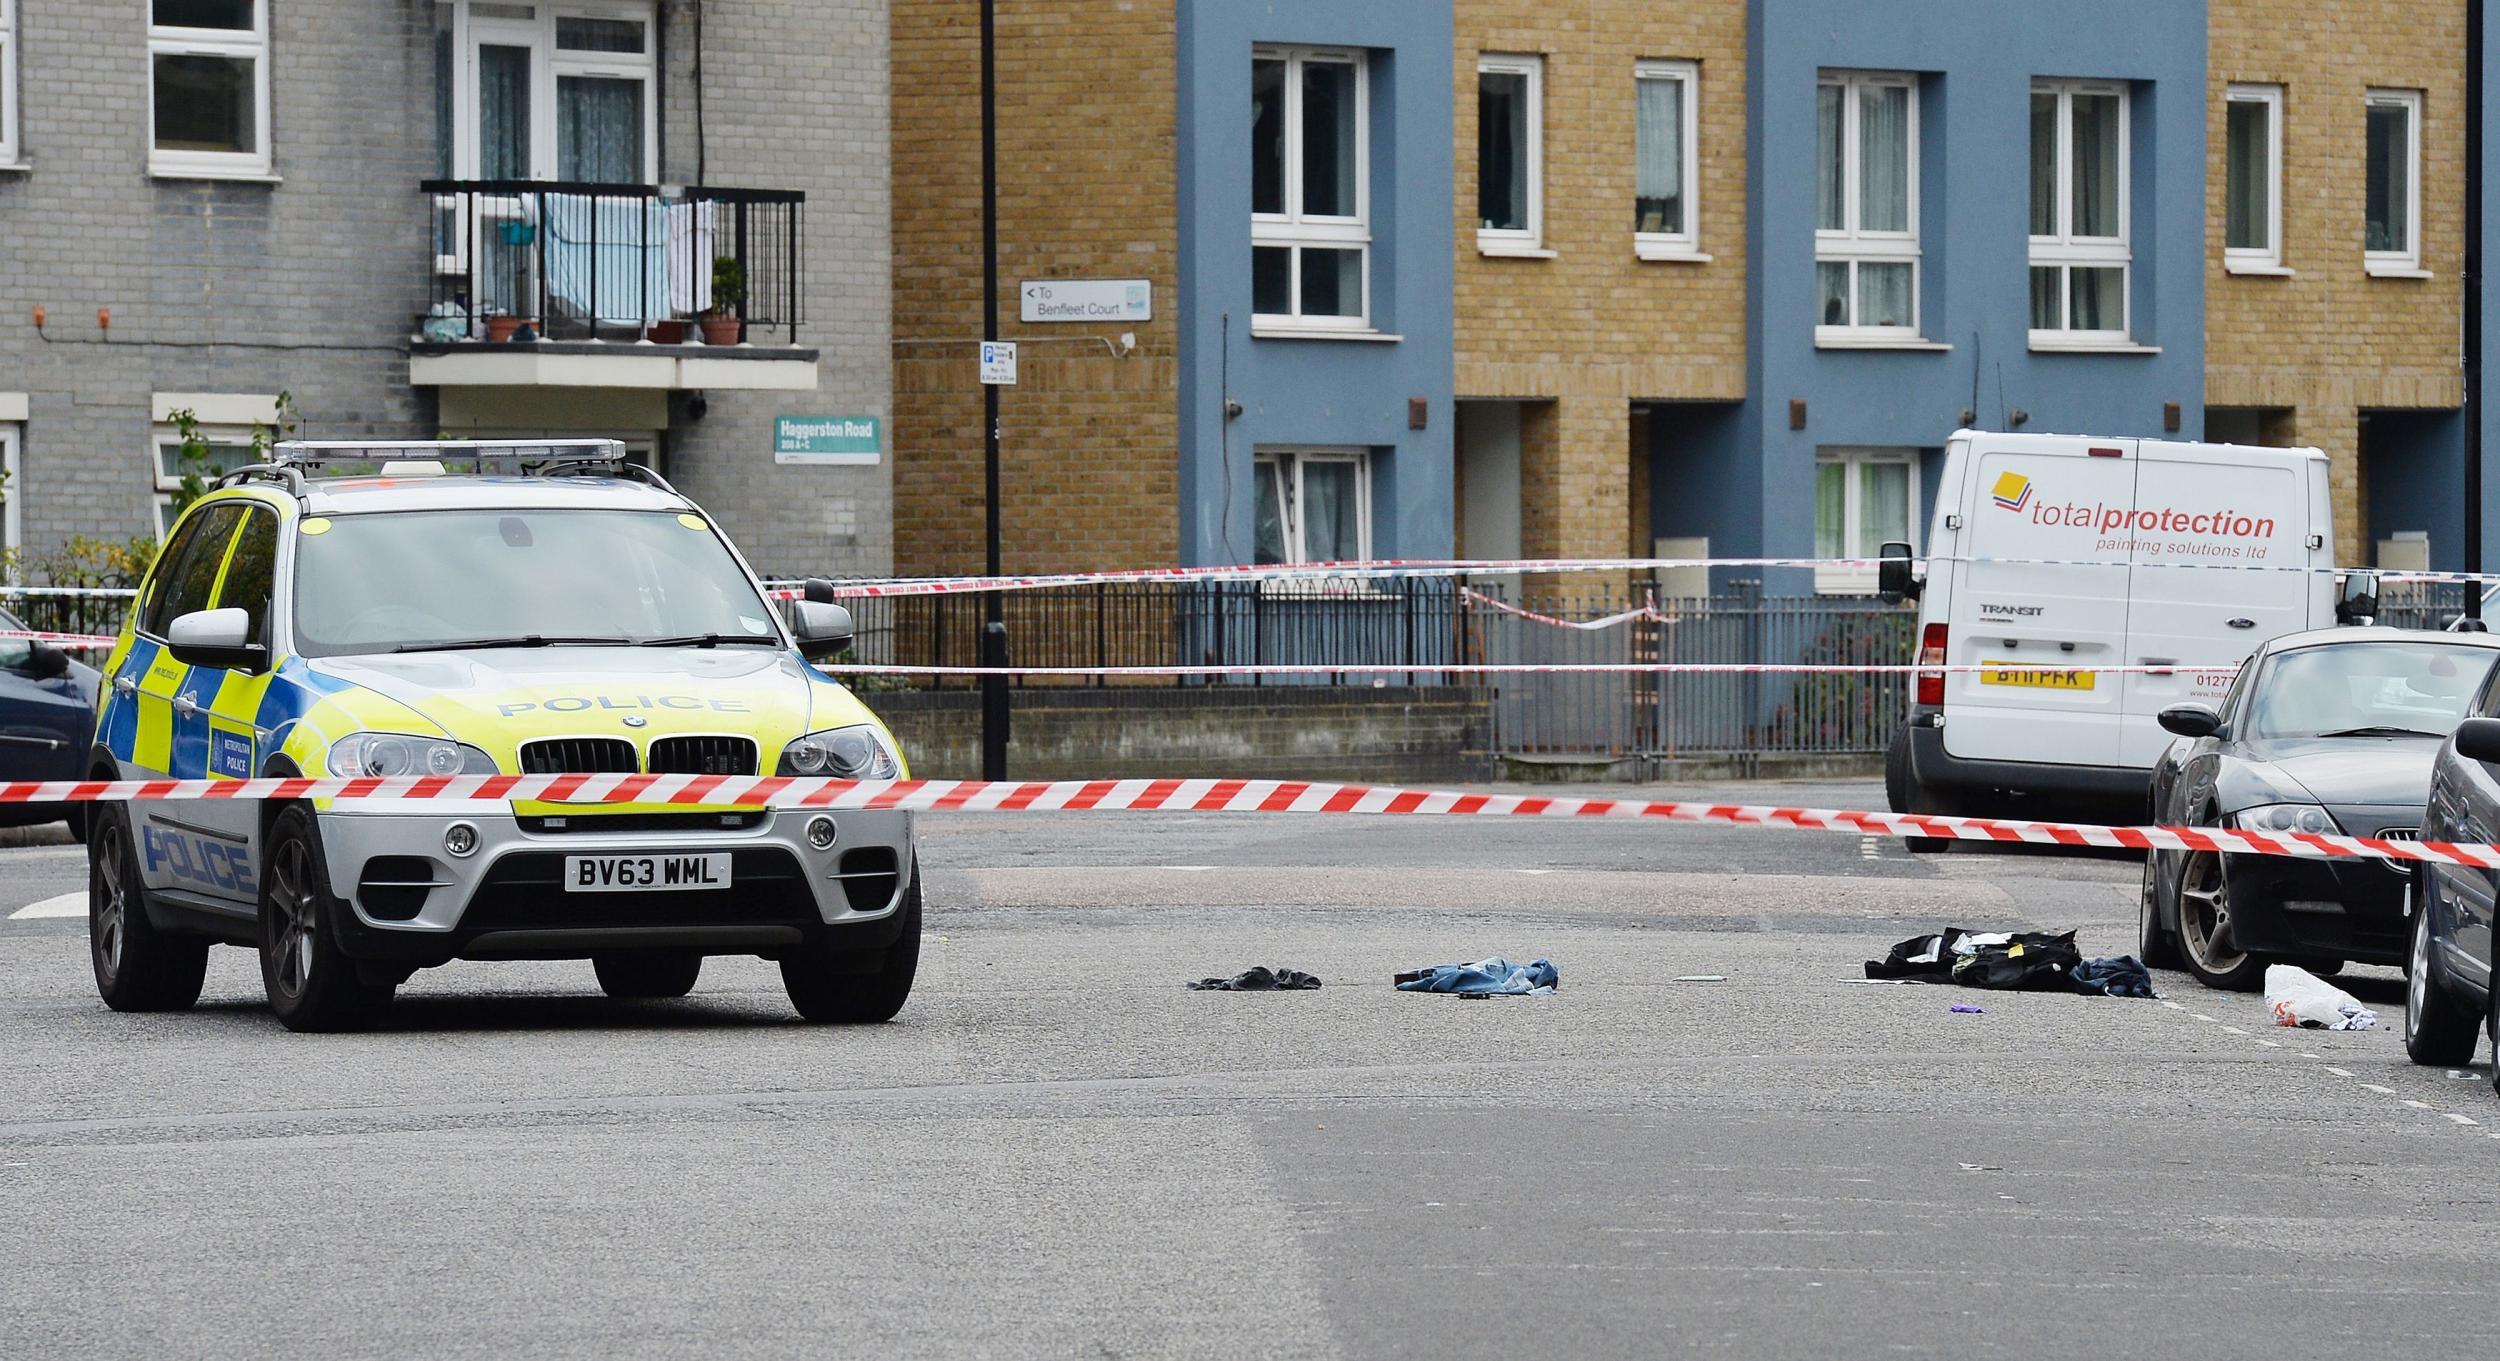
{"x":1087,"y":300}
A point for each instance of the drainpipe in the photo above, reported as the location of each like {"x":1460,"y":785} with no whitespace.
{"x":2473,"y":282}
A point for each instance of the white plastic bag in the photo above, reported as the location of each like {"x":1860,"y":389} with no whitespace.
{"x":2298,"y":997}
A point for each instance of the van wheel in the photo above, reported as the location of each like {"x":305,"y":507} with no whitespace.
{"x":2206,"y":947}
{"x":2439,"y":1029}
{"x":858,"y":987}
{"x":137,"y":967}
{"x":1903,"y":793}
{"x":2157,"y":946}
{"x":648,"y":973}
{"x":312,"y":984}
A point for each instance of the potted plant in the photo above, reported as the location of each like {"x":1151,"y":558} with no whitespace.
{"x":671,"y":331}
{"x":500,"y":326}
{"x":721,"y":322}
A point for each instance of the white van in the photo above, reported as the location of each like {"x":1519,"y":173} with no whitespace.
{"x":2050,"y":552}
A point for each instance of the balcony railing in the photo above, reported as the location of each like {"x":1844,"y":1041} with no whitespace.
{"x":543,"y":259}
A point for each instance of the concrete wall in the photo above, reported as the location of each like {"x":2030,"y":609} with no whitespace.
{"x":1333,"y":392}
{"x":1413,"y":735}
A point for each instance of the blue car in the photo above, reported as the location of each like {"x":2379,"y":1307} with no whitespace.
{"x":47,"y":724}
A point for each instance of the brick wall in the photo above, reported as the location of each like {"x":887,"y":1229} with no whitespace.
{"x":1088,"y":436}
{"x":1401,"y":734}
{"x":2330,"y":340}
{"x":1594,"y":328}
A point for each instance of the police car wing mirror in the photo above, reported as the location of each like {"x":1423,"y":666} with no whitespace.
{"x":215,"y":638}
{"x":2478,"y":739}
{"x":1894,"y":581}
{"x":819,"y":590}
{"x":823,"y":630}
{"x":2357,"y":602}
{"x":2190,"y":720}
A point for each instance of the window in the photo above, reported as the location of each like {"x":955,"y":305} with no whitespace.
{"x":2079,"y":254}
{"x":2252,"y":193}
{"x":1866,"y":207}
{"x":229,"y":448}
{"x":1510,"y":135}
{"x":1863,"y":499}
{"x":12,"y":486}
{"x":187,"y":572}
{"x":1310,"y":219}
{"x":252,"y":572}
{"x":1314,"y":505}
{"x":8,"y":82}
{"x":550,"y":92}
{"x":208,"y":87}
{"x":2391,"y":184}
{"x":1665,"y":172}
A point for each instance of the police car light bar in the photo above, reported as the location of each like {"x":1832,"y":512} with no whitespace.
{"x":319,"y":453}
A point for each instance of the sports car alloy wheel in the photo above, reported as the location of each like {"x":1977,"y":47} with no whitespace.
{"x":2205,"y":926}
{"x":297,"y":921}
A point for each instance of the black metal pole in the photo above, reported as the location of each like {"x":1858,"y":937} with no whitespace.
{"x":993,"y":604}
{"x":2474,"y":304}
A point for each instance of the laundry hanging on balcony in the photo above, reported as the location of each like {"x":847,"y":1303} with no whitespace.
{"x":608,"y":258}
{"x":690,"y":256}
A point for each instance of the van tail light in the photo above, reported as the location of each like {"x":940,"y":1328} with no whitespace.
{"x":1931,"y":641}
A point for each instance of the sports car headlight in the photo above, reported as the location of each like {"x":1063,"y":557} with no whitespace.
{"x":394,"y":754}
{"x":2286,"y":817}
{"x":853,"y":753}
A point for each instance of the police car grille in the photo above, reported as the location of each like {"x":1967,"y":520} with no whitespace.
{"x":578,"y":756}
{"x":703,"y":756}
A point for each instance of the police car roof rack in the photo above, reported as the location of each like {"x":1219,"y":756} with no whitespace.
{"x":292,"y":462}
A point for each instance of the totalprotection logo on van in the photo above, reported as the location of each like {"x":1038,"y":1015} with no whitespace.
{"x":2013,"y":491}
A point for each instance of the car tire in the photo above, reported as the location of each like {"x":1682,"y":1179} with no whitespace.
{"x":2156,"y":945}
{"x":312,"y":984}
{"x":647,"y":974}
{"x":1903,"y":795}
{"x":79,"y":820}
{"x":2439,"y":1028}
{"x":2203,"y":894}
{"x":137,"y":967}
{"x":858,"y":987}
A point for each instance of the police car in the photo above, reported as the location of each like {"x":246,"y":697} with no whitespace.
{"x":455,"y":607}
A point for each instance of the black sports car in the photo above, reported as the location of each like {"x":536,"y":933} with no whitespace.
{"x":2450,"y":997}
{"x":2329,"y":732}
{"x":47,"y":723}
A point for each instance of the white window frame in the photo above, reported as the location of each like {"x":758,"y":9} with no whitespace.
{"x":1529,"y":240}
{"x":2064,"y":250}
{"x":1299,"y":457}
{"x":9,"y":138}
{"x":2266,"y":259}
{"x":1851,"y":245}
{"x":548,"y":65}
{"x":1861,"y":580}
{"x":166,"y":484}
{"x":2405,"y":263}
{"x":1686,"y":244}
{"x":1293,"y":228}
{"x":213,"y":42}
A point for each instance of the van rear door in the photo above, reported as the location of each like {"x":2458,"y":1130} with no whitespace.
{"x":2040,"y":497}
{"x":2202,"y":510}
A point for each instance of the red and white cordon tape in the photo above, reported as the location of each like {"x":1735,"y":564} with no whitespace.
{"x":74,"y":640}
{"x":1647,"y":613}
{"x":1534,"y":669}
{"x":1231,"y":796}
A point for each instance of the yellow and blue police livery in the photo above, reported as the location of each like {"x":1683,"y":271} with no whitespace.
{"x":536,"y":607}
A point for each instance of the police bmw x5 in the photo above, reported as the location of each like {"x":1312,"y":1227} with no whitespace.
{"x":449,"y":608}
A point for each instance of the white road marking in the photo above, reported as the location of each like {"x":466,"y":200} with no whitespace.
{"x":2271,"y":1044}
{"x":2389,"y":1091}
{"x":2205,"y":1018}
{"x":2174,"y":1006}
{"x":2339,"y":1072}
{"x":2417,"y":1105}
{"x":2233,"y":1030}
{"x":2461,"y":1119}
{"x":66,"y":905}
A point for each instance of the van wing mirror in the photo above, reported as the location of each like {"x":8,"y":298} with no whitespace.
{"x":2357,"y":602}
{"x":1894,"y":579}
{"x":2190,"y":720}
{"x":219,"y":639}
{"x":823,"y":630}
{"x":2478,"y":739}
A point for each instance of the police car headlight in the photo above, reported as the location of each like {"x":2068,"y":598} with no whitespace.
{"x":2286,"y":817}
{"x":856,"y":753}
{"x":390,"y":754}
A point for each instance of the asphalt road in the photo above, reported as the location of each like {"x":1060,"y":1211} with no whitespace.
{"x":1057,"y":1151}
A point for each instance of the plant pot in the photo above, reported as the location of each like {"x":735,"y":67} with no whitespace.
{"x":721,"y":330}
{"x":500,"y":329}
{"x":666,"y":333}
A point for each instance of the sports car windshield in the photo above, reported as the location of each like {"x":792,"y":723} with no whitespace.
{"x":2367,"y":690}
{"x":431,"y":580}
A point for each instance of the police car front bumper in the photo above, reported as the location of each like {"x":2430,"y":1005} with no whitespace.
{"x":411,"y":900}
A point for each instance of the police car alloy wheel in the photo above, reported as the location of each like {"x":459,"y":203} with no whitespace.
{"x":312,"y":984}
{"x":137,"y":967}
{"x":858,"y":987}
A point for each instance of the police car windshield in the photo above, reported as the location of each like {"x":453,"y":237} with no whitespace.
{"x":413,"y":580}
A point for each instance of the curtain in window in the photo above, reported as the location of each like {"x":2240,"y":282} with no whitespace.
{"x":1884,"y":159}
{"x":1827,"y":159}
{"x":1269,"y":541}
{"x":1502,"y":150}
{"x":1658,"y":149}
{"x":1831,"y":509}
{"x":2099,"y":299}
{"x":2244,"y":200}
{"x":1884,"y":294}
{"x":1883,"y":507}
{"x":1329,"y":507}
{"x":2043,"y":164}
{"x":503,"y":112}
{"x":599,"y":130}
{"x":2096,"y":155}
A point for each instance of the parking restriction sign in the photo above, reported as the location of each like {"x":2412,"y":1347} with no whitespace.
{"x":998,"y":363}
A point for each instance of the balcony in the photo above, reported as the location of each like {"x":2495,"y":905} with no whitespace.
{"x":538,"y":283}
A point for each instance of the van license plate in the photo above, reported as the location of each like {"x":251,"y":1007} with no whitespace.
{"x":2034,"y":677}
{"x":645,"y":873}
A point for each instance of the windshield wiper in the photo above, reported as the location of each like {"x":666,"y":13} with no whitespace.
{"x":522,"y":640}
{"x":713,"y":640}
{"x":2381,"y":730}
